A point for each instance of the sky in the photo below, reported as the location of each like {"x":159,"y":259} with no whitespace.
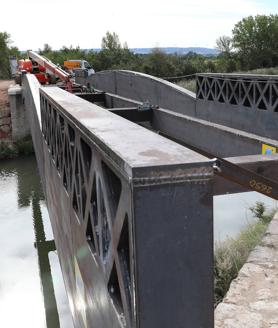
{"x":140,"y":23}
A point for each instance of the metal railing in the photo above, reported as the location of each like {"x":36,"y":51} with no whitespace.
{"x":99,"y":197}
{"x":250,"y":91}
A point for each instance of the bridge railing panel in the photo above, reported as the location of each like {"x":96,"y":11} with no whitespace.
{"x":248,"y":102}
{"x":139,"y":253}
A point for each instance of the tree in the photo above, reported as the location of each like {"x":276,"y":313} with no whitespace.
{"x":224,"y":44}
{"x":158,"y":63}
{"x":255,"y":40}
{"x":227,"y":58}
{"x":114,"y":55}
{"x":4,"y":55}
{"x":46,"y":49}
{"x":111,"y":41}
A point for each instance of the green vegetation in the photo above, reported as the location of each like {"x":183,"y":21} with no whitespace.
{"x":230,"y":255}
{"x":9,"y":149}
{"x":254,"y":39}
{"x":114,"y":55}
{"x":25,"y":146}
{"x":6,"y":50}
{"x":266,"y":71}
{"x":253,"y":45}
{"x":188,"y":84}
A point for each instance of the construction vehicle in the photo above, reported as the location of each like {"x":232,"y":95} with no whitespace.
{"x":45,"y":71}
{"x":76,"y":64}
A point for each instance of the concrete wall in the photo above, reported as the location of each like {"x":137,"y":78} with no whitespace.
{"x":142,"y":87}
{"x":20,"y":124}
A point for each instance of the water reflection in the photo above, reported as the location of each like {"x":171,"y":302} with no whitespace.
{"x":28,"y":297}
{"x":44,"y":247}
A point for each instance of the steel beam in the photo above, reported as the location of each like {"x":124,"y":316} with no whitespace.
{"x":265,"y":165}
{"x":133,"y":114}
{"x":92,"y":97}
{"x":211,"y":138}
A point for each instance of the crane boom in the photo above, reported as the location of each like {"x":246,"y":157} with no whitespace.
{"x":57,"y":71}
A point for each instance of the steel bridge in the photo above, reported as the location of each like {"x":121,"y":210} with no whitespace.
{"x":129,"y":178}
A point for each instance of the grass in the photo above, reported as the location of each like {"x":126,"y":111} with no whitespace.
{"x":188,"y":84}
{"x":263,"y":71}
{"x":191,"y":84}
{"x":230,"y":255}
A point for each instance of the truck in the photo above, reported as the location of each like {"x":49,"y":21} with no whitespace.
{"x":78,"y":64}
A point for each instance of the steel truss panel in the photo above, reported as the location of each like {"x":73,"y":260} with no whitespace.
{"x":246,"y":102}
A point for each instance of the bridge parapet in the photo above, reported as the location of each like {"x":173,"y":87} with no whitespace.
{"x":123,"y":202}
{"x":236,"y":100}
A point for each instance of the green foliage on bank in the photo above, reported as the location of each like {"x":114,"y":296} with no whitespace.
{"x":231,"y":254}
{"x":6,"y":50}
{"x":9,"y":149}
{"x":188,"y":84}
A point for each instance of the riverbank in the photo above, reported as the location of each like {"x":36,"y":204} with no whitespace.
{"x":231,"y":254}
{"x":252,"y":300}
{"x":5,"y":112}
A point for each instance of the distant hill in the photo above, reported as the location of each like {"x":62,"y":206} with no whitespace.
{"x":173,"y":50}
{"x":167,"y":50}
{"x":178,"y":50}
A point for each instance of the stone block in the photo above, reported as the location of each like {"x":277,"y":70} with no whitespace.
{"x":5,"y":113}
{"x":5,"y":128}
{"x":5,"y":121}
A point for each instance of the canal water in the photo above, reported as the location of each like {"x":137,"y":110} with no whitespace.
{"x":32,"y":292}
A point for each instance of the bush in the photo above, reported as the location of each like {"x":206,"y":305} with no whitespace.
{"x":8,"y":150}
{"x":188,"y":84}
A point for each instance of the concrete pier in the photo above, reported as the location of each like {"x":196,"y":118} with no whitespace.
{"x":20,"y":125}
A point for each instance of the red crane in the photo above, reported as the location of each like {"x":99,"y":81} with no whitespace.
{"x":40,"y":66}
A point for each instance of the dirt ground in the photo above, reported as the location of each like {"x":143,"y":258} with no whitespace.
{"x":4,"y":86}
